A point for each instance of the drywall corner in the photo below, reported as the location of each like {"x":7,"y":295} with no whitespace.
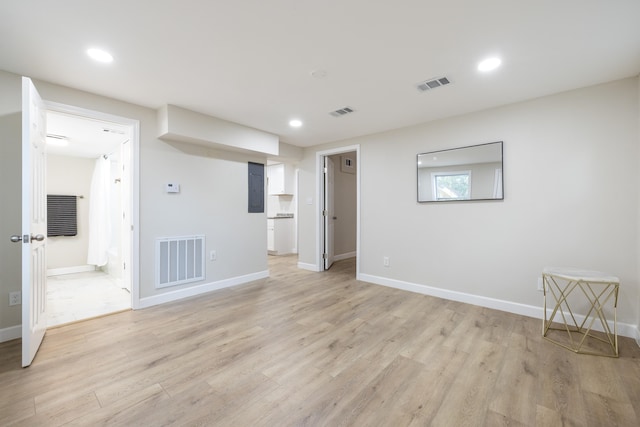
{"x":179,"y":124}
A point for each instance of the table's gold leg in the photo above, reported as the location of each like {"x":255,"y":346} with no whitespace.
{"x":597,"y":301}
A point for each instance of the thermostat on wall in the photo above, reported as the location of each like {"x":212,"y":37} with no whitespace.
{"x":173,"y":188}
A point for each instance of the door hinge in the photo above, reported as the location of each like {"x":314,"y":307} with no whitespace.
{"x":325,"y":212}
{"x":325,"y":256}
{"x":124,"y":265}
{"x":325,"y":169}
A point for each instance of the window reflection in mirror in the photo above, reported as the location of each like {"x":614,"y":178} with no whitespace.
{"x":466,"y":173}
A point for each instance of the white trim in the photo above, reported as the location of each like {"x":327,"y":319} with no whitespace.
{"x":11,"y":333}
{"x":200,"y":289}
{"x":344,"y":256}
{"x":624,"y":329}
{"x":134,"y":125}
{"x":638,"y":335}
{"x":307,"y":266}
{"x":319,"y":223}
{"x":135,"y":218}
{"x":70,"y":270}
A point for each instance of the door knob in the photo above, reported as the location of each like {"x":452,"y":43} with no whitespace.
{"x":38,"y":237}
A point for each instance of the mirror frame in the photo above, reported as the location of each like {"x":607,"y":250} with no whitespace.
{"x":464,"y":165}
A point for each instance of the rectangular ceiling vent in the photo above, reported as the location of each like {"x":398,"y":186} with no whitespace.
{"x":342,"y":111}
{"x":433,"y":83}
{"x":109,"y":130}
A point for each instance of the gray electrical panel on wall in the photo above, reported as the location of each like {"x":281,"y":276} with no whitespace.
{"x":256,"y":187}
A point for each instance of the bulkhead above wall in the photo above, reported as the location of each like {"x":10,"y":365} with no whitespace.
{"x":179,"y":124}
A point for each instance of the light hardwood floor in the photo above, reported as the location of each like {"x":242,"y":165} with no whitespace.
{"x":315,"y":349}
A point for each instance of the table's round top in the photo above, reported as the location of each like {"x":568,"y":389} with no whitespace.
{"x":579,"y":274}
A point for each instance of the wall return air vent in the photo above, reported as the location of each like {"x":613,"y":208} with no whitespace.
{"x":342,"y":111}
{"x":433,"y":83}
{"x":179,"y":260}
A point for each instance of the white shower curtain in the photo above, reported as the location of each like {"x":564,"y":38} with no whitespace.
{"x":99,"y":217}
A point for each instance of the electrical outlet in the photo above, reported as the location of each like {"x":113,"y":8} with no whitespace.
{"x":385,"y":261}
{"x":540,"y":284}
{"x":15,"y":298}
{"x":213,"y":256}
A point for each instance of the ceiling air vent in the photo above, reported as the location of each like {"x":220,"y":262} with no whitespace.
{"x":433,"y":83}
{"x":341,"y":112}
{"x":109,"y":130}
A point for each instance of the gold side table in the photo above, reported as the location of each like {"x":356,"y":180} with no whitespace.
{"x":594,"y":290}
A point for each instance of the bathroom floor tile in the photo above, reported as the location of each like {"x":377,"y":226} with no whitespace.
{"x":78,"y":296}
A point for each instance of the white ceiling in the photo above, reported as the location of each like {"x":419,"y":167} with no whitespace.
{"x":250,"y":61}
{"x":85,"y":137}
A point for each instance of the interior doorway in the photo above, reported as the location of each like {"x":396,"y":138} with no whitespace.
{"x":339,"y":206}
{"x":89,"y":161}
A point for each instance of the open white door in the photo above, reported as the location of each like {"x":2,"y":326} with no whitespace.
{"x":328,"y":212}
{"x":34,"y":222}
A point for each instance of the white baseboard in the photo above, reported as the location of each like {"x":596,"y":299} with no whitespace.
{"x":624,"y":329}
{"x":638,"y":335}
{"x":10,"y":333}
{"x":70,"y":270}
{"x":307,"y":266}
{"x":344,"y":256}
{"x":200,"y":289}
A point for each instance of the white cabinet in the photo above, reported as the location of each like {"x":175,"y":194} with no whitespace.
{"x":280,"y":236}
{"x":281,"y":178}
{"x":271,"y":240}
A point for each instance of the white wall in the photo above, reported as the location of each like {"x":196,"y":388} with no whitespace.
{"x":70,"y":176}
{"x":213,"y":200}
{"x":10,"y":221}
{"x":571,"y":199}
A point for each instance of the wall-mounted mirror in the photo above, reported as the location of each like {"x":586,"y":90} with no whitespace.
{"x":465,"y":173}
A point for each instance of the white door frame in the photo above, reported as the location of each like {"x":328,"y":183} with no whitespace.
{"x":320,"y":155}
{"x":134,"y":262}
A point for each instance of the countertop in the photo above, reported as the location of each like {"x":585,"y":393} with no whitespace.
{"x":281,"y":216}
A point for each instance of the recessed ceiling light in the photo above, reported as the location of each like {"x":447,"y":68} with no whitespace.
{"x":100,"y":55}
{"x":489,"y":64}
{"x":295,"y":123}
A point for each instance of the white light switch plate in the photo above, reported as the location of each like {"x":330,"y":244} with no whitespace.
{"x":173,"y":188}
